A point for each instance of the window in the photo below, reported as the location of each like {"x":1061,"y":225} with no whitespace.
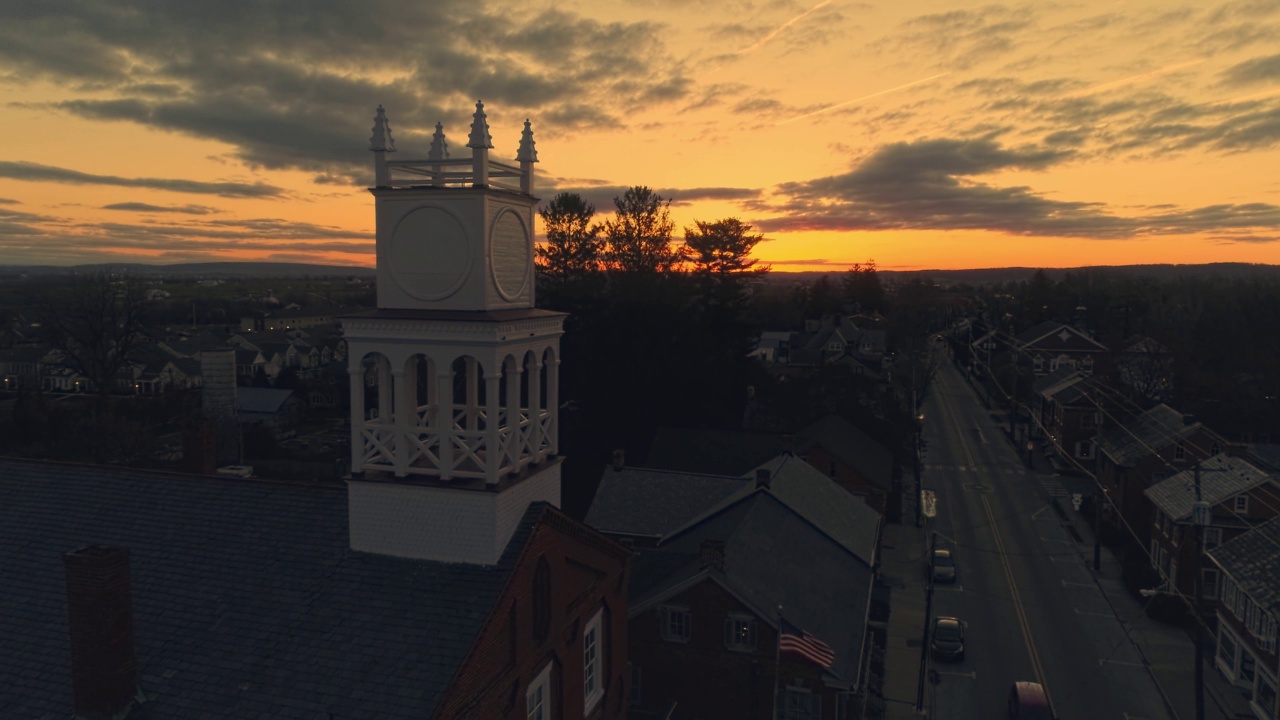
{"x":1179,"y":452}
{"x":1208,"y":583}
{"x":1212,"y":537}
{"x":592,"y":677}
{"x":675,"y":623}
{"x":1214,"y":449}
{"x":801,"y":704}
{"x":740,"y":633}
{"x":1265,"y":695}
{"x":537,"y":699}
{"x":1242,"y":503}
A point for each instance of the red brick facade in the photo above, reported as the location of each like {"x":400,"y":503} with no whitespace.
{"x":702,"y":676}
{"x":583,"y":573}
{"x":850,"y":479}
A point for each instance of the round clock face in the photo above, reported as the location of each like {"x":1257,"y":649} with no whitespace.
{"x":510,"y":252}
{"x":429,"y":256}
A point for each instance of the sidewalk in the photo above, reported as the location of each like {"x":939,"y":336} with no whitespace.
{"x":902,"y":569}
{"x":1168,"y":651}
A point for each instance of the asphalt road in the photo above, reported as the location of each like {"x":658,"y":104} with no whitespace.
{"x":1024,"y":584}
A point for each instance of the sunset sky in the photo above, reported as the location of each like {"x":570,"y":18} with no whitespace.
{"x":915,"y":134}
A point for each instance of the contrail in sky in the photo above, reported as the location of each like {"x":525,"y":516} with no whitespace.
{"x":864,"y":97}
{"x":1135,"y":78}
{"x":776,"y":31}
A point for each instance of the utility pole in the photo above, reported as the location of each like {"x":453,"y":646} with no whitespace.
{"x":1200,"y":518}
{"x":928,"y":624}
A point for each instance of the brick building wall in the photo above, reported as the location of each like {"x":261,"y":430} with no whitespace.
{"x":705,"y":679}
{"x":583,"y":572}
{"x":850,"y":479}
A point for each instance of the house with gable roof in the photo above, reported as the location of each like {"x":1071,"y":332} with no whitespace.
{"x":704,"y":595}
{"x":1238,"y":496}
{"x":439,"y":581}
{"x":1050,"y":345}
{"x":1135,"y":453}
{"x":1248,"y":611}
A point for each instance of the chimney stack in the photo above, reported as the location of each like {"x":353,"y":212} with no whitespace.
{"x":713,"y":554}
{"x":619,"y":459}
{"x":763,"y":478}
{"x":104,"y":672}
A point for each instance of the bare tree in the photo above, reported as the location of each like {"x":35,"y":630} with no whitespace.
{"x":95,"y":324}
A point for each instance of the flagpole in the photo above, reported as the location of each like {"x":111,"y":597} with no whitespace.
{"x":777,"y":665}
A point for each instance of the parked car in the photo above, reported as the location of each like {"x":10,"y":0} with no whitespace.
{"x":948,"y":638}
{"x":944,"y":566}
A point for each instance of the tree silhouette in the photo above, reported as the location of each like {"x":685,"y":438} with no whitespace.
{"x":638,"y":238}
{"x":572,"y":249}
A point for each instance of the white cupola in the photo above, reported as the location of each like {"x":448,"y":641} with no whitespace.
{"x":454,"y":376}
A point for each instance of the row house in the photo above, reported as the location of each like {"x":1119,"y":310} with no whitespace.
{"x":1045,"y":347}
{"x":1066,"y":414}
{"x":712,"y":590}
{"x":1135,"y":453}
{"x":1237,"y":495}
{"x":1248,"y":609}
{"x":831,"y":340}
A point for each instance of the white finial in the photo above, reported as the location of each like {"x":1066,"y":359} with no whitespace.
{"x":439,"y":146}
{"x":381,"y":140}
{"x":527,"y":152}
{"x":479,"y":129}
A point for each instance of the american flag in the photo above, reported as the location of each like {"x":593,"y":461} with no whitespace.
{"x":795,"y":640}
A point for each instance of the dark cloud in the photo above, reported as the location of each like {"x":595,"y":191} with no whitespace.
{"x":147,"y":207}
{"x":35,"y":172}
{"x":293,"y":84}
{"x":930,"y":185}
{"x":602,"y":196}
{"x":958,"y":39}
{"x":1261,"y":69}
{"x":9,"y":201}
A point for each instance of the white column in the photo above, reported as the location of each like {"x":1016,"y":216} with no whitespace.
{"x":515,"y":434}
{"x":473,"y":394}
{"x":444,"y":417}
{"x":384,"y":390}
{"x":402,"y":410}
{"x":356,"y":374}
{"x":492,"y":458}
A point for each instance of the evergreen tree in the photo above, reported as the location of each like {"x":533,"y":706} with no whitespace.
{"x":638,"y":238}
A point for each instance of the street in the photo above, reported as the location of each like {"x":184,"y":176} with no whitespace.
{"x":1023,"y":586}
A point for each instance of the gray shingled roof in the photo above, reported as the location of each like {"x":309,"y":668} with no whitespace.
{"x":1047,"y":383}
{"x":1154,"y":429}
{"x":261,"y":400}
{"x":844,"y":517}
{"x":773,"y":556}
{"x":1221,"y":477}
{"x":712,"y":452}
{"x":652,"y":503}
{"x":247,"y":599}
{"x":854,"y":447}
{"x":1253,"y":561}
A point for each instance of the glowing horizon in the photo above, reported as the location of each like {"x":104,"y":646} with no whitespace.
{"x":977,"y":135}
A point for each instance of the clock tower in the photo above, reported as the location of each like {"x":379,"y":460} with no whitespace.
{"x":454,"y":382}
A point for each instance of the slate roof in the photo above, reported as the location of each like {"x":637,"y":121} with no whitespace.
{"x":842,"y":516}
{"x":1045,"y":384}
{"x":712,"y":452}
{"x":852,"y":446}
{"x":1156,"y":428}
{"x":261,"y":400}
{"x":247,"y":599}
{"x":773,"y":556}
{"x":1267,"y":455}
{"x":651,"y":503}
{"x":1221,"y":478}
{"x":1253,"y":561}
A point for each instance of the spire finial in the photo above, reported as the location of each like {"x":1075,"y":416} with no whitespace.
{"x":439,"y":146}
{"x":527,"y":152}
{"x":479,"y":129}
{"x":381,"y":140}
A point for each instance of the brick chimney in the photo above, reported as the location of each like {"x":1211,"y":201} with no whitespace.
{"x":104,"y":672}
{"x":713,"y":554}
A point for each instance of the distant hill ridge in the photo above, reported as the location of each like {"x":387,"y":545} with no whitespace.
{"x":977,"y":275}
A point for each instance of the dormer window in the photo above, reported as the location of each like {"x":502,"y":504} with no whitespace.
{"x":1179,"y":452}
{"x":1214,"y":449}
